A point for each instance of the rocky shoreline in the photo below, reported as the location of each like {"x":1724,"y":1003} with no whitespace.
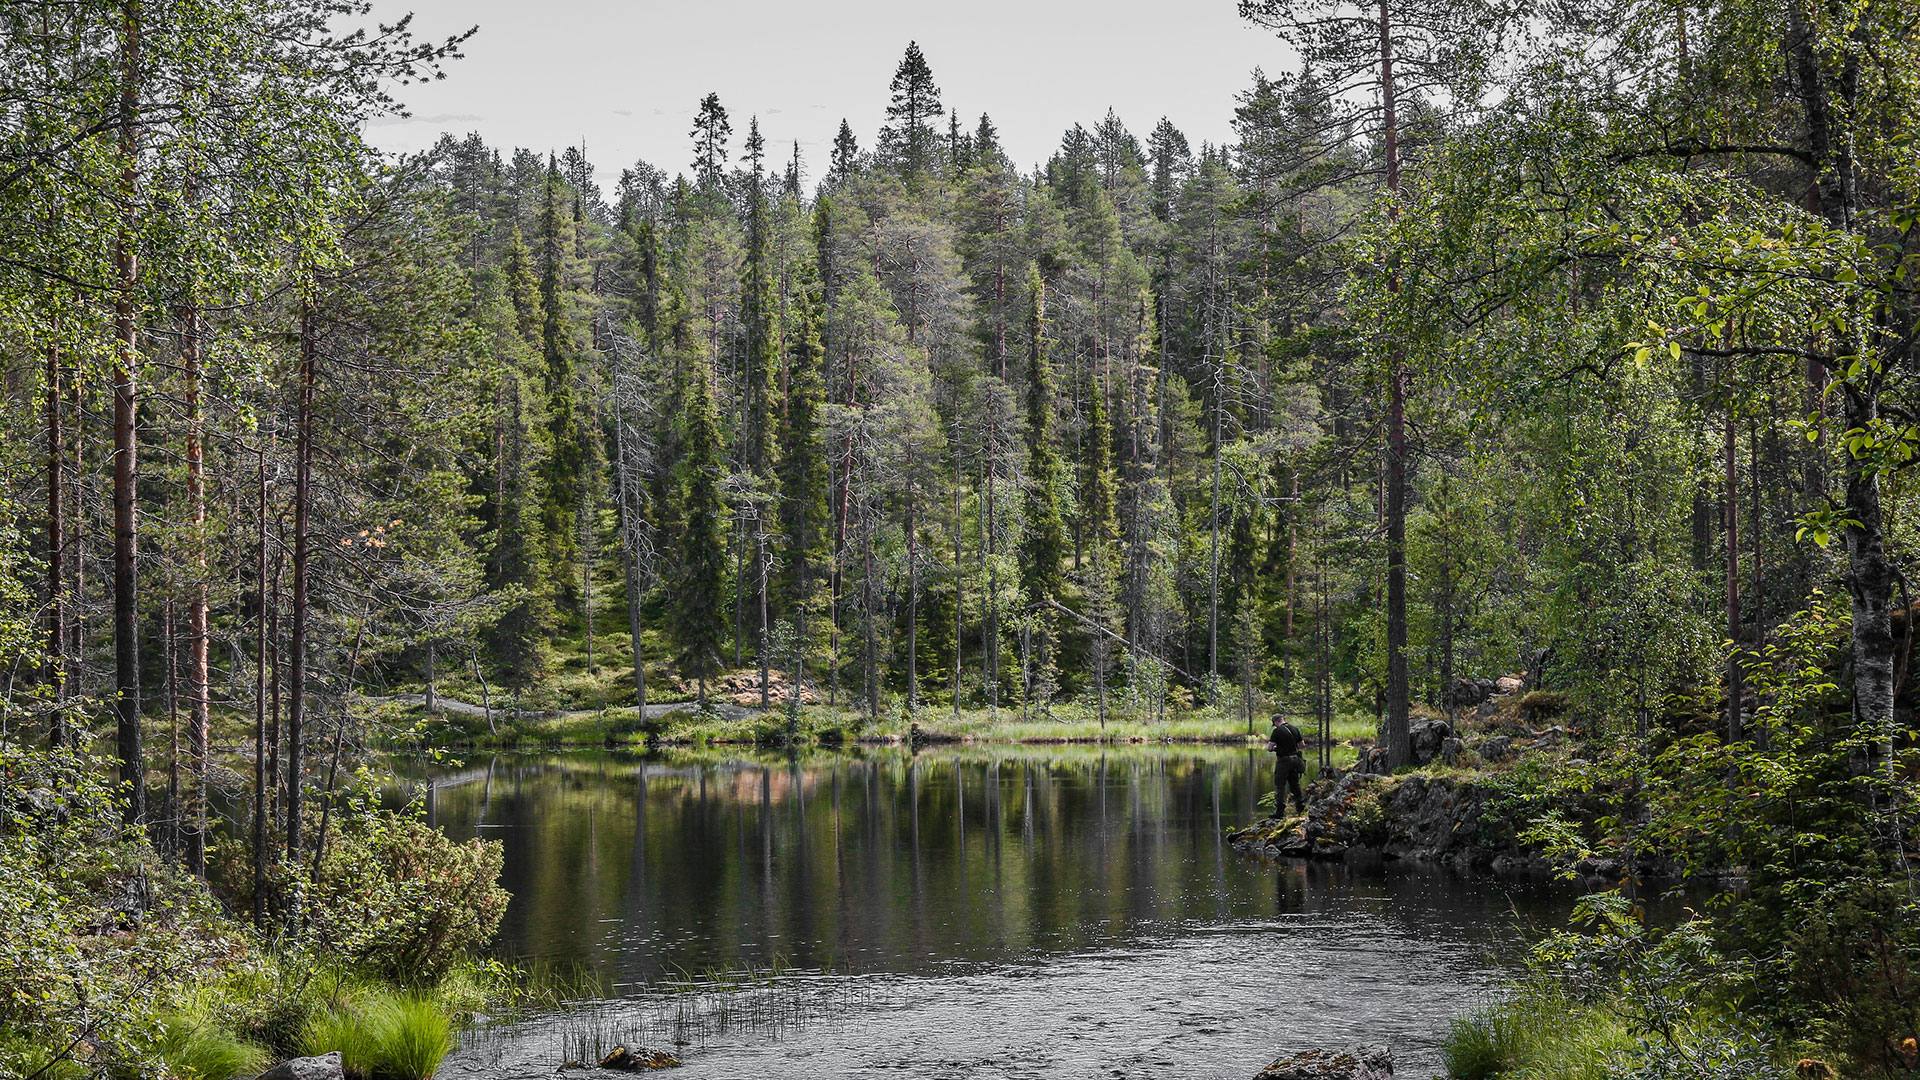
{"x":1441,"y":820}
{"x":1455,"y":811}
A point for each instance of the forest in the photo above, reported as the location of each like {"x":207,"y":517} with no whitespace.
{"x":1566,"y":341}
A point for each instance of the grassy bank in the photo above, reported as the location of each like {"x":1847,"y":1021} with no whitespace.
{"x":686,"y":725}
{"x":1611,"y":998}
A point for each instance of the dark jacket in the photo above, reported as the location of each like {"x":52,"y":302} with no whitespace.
{"x":1285,"y":739}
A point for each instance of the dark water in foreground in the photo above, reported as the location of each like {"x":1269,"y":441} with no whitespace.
{"x":998,"y":912}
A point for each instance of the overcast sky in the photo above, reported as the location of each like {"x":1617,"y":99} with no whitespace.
{"x":627,"y":77}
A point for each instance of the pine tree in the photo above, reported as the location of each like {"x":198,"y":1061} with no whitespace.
{"x":1172,"y":158}
{"x":916,"y":101}
{"x":959,"y":147}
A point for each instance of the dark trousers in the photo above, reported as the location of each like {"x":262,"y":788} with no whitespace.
{"x":1287,"y":771}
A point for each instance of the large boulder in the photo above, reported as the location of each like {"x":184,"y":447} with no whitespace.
{"x":325,"y":1067}
{"x":1359,"y":1063}
{"x":1466,"y":693}
{"x":1427,"y":737}
{"x":1496,"y":748}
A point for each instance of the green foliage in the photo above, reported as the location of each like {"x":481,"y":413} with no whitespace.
{"x":101,"y":935}
{"x":1856,"y":956}
{"x":403,"y":902}
{"x":1616,"y":999}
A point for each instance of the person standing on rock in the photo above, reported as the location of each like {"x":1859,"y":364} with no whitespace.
{"x":1290,"y":764}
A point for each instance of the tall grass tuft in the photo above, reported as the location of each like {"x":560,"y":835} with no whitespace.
{"x":1537,"y":1036}
{"x":382,"y":1035}
{"x":196,"y":1048}
{"x":1482,"y":1044}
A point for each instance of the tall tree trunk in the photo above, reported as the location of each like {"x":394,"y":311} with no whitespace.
{"x":624,"y":483}
{"x":76,"y":538}
{"x":1759,"y":570}
{"x":871,"y":685}
{"x":1730,"y":519}
{"x":126,"y":608}
{"x":169,"y":652}
{"x":913,"y":590}
{"x":56,"y":551}
{"x":302,"y":513}
{"x":1213,"y":541}
{"x":760,"y":571}
{"x":959,"y":585}
{"x":1870,"y":572}
{"x":988,"y":554}
{"x":1870,"y":580}
{"x":275,"y":786}
{"x":198,"y":733}
{"x":261,"y":809}
{"x":1398,"y":739}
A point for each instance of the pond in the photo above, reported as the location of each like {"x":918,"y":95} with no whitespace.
{"x":982,"y":911}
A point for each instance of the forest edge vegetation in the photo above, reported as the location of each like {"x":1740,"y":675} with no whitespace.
{"x":1570,"y":342}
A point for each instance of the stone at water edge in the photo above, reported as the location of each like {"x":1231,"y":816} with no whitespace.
{"x":1359,"y":1063}
{"x":641,"y":1060}
{"x":325,"y":1067}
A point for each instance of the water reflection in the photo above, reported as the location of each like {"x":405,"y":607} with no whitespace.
{"x":886,"y":861}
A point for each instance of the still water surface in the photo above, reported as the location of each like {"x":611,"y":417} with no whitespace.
{"x":975,"y":912}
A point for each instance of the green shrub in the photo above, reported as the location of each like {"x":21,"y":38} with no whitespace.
{"x":97,"y":933}
{"x":1856,"y":952}
{"x":404,"y":903}
{"x":383,"y":1035}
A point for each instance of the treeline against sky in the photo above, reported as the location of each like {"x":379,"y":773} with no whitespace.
{"x":1579,"y":354}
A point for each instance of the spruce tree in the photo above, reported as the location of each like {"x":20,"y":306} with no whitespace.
{"x":699,"y":625}
{"x":845,"y":157}
{"x":709,"y":134}
{"x":566,"y":454}
{"x":790,"y":184}
{"x":986,"y":142}
{"x":1098,"y":484}
{"x":758,"y":411}
{"x":803,"y":455}
{"x":1045,"y":544}
{"x":916,"y":102}
{"x":523,"y":290}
